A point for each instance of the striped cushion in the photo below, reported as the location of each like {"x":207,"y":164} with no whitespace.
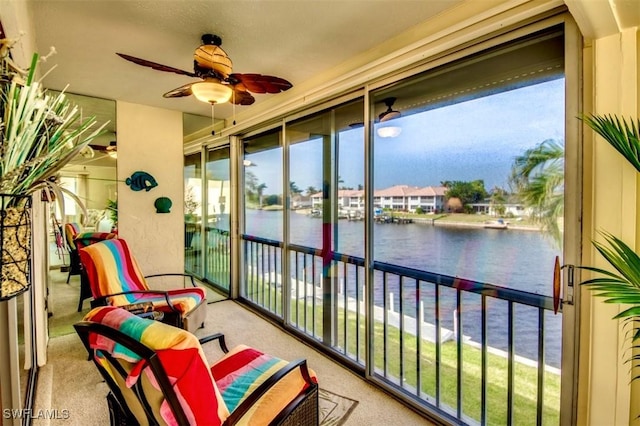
{"x":180,"y":354}
{"x":84,"y":239}
{"x":111,"y":268}
{"x":243,"y":369}
{"x":71,"y":230}
{"x":207,"y":397}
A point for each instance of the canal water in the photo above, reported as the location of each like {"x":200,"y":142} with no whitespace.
{"x":517,"y":259}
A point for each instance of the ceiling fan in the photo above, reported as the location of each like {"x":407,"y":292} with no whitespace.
{"x":111,"y":150}
{"x":389,"y":113}
{"x":219,"y":84}
{"x":386,"y":128}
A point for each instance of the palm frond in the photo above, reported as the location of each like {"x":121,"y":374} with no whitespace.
{"x":537,"y":175}
{"x":622,"y":135}
{"x":532,"y":160}
{"x":631,"y":313}
{"x":622,"y":287}
{"x":621,"y":257}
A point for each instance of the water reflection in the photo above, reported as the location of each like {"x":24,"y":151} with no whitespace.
{"x":522,"y":260}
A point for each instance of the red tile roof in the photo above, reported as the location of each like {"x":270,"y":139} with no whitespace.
{"x":394,"y":191}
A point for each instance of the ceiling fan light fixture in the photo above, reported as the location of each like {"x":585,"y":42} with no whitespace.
{"x":211,"y":91}
{"x":389,"y":131}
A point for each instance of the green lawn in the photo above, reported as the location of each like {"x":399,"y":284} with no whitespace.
{"x":525,"y":377}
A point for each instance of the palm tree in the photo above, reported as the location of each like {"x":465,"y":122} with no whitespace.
{"x":250,"y":185}
{"x":260,"y":190}
{"x":538,"y":178}
{"x":293,"y":188}
{"x":624,"y":286}
{"x":498,"y":199}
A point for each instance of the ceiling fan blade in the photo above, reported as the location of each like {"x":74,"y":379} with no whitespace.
{"x":258,"y":83}
{"x":105,"y":148}
{"x":179,"y":91}
{"x":155,"y":65}
{"x":241,"y":97}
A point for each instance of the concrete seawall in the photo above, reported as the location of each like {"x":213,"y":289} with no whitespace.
{"x":437,"y":222}
{"x":427,"y":330}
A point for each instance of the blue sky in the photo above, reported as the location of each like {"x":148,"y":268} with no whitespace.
{"x":477,"y":139}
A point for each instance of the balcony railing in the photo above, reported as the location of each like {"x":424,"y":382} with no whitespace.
{"x":468,"y":351}
{"x":216,"y":266}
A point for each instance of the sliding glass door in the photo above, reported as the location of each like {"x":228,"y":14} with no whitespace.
{"x":193,"y":214}
{"x":422,"y":254}
{"x":217,"y":241}
{"x":326,"y":227}
{"x":468,"y":171}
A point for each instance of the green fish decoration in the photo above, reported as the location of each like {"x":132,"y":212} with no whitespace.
{"x":141,"y":180}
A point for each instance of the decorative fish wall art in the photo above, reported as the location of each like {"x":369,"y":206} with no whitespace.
{"x":141,"y":180}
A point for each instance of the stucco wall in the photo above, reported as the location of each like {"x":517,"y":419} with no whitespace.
{"x":150,"y":140}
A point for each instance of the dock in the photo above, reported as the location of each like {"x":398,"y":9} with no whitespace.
{"x":393,"y":219}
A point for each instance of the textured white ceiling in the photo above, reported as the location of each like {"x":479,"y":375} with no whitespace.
{"x":292,"y":39}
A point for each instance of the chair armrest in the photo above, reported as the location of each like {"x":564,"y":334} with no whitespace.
{"x":163,"y":293}
{"x":252,"y":399}
{"x":191,"y":277}
{"x":219,"y":337}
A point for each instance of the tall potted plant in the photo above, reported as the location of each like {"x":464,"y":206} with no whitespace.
{"x":622,"y":286}
{"x":39,"y":134}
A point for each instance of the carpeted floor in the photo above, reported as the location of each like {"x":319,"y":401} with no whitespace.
{"x":71,"y":384}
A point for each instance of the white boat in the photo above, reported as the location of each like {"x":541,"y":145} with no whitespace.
{"x":496,"y":224}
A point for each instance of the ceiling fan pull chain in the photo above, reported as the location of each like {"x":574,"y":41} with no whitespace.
{"x":234,"y":106}
{"x":213,"y":123}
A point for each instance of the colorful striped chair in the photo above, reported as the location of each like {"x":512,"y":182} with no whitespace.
{"x":71,"y":230}
{"x":81,"y":240}
{"x":158,"y":374}
{"x":116,"y":280}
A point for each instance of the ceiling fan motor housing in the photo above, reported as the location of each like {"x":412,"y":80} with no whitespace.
{"x":210,"y":56}
{"x":211,"y":39}
{"x":390,"y":113}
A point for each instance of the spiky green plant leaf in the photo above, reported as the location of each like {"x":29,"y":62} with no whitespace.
{"x":40,"y":133}
{"x":622,"y":135}
{"x":622,"y":287}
